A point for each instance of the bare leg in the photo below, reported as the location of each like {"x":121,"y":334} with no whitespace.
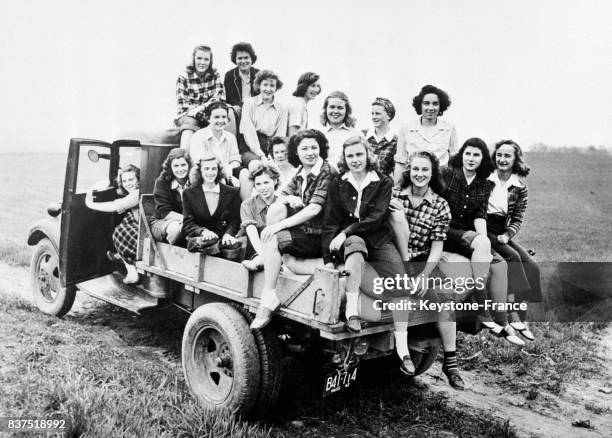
{"x":401,"y":233}
{"x":186,"y":138}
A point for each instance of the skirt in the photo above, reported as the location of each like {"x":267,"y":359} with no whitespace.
{"x":125,"y":237}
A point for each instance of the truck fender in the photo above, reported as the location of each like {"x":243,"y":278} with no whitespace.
{"x":49,"y":228}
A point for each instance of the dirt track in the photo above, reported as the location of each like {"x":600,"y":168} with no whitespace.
{"x":547,"y":415}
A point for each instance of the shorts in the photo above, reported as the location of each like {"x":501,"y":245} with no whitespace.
{"x":296,"y":242}
{"x":159,"y":227}
{"x":188,"y":123}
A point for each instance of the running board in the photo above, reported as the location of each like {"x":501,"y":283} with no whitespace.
{"x":111,"y":289}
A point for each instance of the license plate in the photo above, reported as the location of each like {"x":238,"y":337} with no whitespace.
{"x":339,"y":379}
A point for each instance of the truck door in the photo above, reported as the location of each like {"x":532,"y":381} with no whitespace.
{"x":86,"y":234}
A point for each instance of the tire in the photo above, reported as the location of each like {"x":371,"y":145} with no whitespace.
{"x":220,"y":359}
{"x":49,"y":295}
{"x":422,"y":360}
{"x":270,"y":365}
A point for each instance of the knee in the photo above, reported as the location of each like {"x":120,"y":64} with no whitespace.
{"x":270,"y":246}
{"x":173,"y":232}
{"x":481,"y":243}
{"x":512,"y":256}
{"x":253,"y":164}
{"x":276,"y":213}
{"x":500,"y":267}
{"x":244,"y":175}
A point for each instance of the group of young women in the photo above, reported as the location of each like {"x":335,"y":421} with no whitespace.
{"x":454,"y":212}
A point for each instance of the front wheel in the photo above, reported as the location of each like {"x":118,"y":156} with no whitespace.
{"x":47,"y":291}
{"x":220,"y":359}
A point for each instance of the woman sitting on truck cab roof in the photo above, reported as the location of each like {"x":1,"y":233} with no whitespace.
{"x":199,"y":85}
{"x":295,"y":221}
{"x":253,"y":212}
{"x":239,"y":82}
{"x":125,"y":235}
{"x":507,"y":205}
{"x":356,"y":227}
{"x":211,"y":210}
{"x":167,"y":220}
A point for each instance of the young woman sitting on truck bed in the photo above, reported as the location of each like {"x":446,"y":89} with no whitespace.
{"x":167,"y":220}
{"x":199,"y":85}
{"x":507,"y":205}
{"x":356,"y":227}
{"x":253,"y":212}
{"x":216,"y":140}
{"x":295,"y":221}
{"x":211,"y":210}
{"x":125,"y":235}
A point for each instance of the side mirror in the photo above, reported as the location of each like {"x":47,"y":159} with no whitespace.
{"x":94,"y":156}
{"x":54,"y":209}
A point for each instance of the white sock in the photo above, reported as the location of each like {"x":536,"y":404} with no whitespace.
{"x":401,"y":344}
{"x":352,"y":299}
{"x":269,"y":298}
{"x":131,"y":270}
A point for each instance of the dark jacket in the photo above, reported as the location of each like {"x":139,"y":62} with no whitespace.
{"x":340,"y":212}
{"x":197,"y":218}
{"x":166,"y":199}
{"x":233,"y":86}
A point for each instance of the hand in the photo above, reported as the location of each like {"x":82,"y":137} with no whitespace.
{"x":421,"y":284}
{"x":337,"y":242}
{"x":503,"y":239}
{"x":294,"y":201}
{"x":330,"y":265}
{"x":235,"y":182}
{"x":396,"y":205}
{"x":270,"y":231}
{"x":208,"y":235}
{"x":228,"y":239}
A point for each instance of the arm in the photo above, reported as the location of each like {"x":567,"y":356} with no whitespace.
{"x":281,"y":122}
{"x":516,"y":219}
{"x":294,"y":120}
{"x":332,"y":220}
{"x":190,"y":225}
{"x":118,"y":205}
{"x":375,"y":215}
{"x":453,"y":147}
{"x":235,"y":159}
{"x":401,"y":157}
{"x":218,"y":86}
{"x":253,"y":235}
{"x":247,"y":127}
{"x":162,"y":194}
{"x":181,"y":96}
{"x":480,"y":221}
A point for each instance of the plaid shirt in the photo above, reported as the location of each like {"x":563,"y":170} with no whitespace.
{"x":428,"y":221}
{"x":466,"y":202}
{"x":315,"y":192}
{"x":384,"y":150}
{"x":193,"y":90}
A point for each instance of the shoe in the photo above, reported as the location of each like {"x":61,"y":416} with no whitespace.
{"x":353,"y":324}
{"x":491,"y":325}
{"x":510,"y":334}
{"x":113,"y":256}
{"x":263,"y":317}
{"x":454,"y":379}
{"x":131,"y":278}
{"x":407,"y":367}
{"x":523,"y":330}
{"x":252,"y":265}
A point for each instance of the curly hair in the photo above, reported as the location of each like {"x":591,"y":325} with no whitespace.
{"x":196,"y":172}
{"x":305,"y":81}
{"x":436,"y":183}
{"x":210,"y":71}
{"x":262,"y":75}
{"x":213,"y":106}
{"x":129,"y":168}
{"x":243,"y":47}
{"x":371,"y":160}
{"x":349,"y":120}
{"x":387,"y":106}
{"x":486,"y":165}
{"x":519,"y":167}
{"x":176,"y":153}
{"x":296,"y":139}
{"x":268,"y":169}
{"x":445,"y":101}
{"x":277,"y":139}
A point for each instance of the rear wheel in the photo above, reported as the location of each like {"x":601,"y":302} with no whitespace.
{"x":47,"y":291}
{"x":220,"y":359}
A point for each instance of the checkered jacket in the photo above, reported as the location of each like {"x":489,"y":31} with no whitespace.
{"x":517,"y":204}
{"x":193,"y":90}
{"x":428,"y":222}
{"x":466,"y":202}
{"x":385,"y":151}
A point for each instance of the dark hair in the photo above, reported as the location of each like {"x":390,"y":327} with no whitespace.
{"x":243,"y":47}
{"x":486,"y":166}
{"x":387,"y":106}
{"x":445,"y":101}
{"x":277,"y":139}
{"x":519,"y":167}
{"x":129,"y":168}
{"x":436,"y":183}
{"x":213,"y":106}
{"x":305,"y":81}
{"x":371,"y":160}
{"x":209,"y":74}
{"x":268,"y":169}
{"x":297,"y":138}
{"x":262,"y":75}
{"x":196,"y":173}
{"x":175,"y":154}
{"x":349,"y":120}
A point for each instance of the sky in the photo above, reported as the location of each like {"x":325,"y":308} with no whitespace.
{"x":534,"y":71}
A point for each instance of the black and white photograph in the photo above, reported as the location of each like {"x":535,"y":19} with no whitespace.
{"x":306,"y":219}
